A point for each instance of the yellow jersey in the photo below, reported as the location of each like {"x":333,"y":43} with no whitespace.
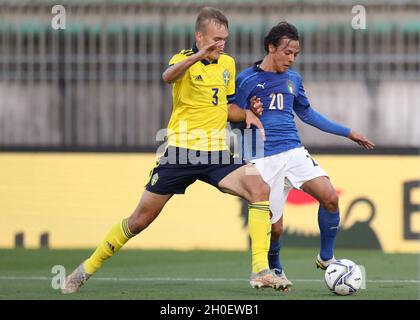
{"x":200,"y":98}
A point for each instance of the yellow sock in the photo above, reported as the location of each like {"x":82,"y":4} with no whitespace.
{"x":259,"y":226}
{"x":113,"y":242}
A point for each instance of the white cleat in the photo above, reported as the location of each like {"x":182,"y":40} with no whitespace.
{"x":281,"y":274}
{"x":267,"y":279}
{"x":75,"y":280}
{"x":323,"y":264}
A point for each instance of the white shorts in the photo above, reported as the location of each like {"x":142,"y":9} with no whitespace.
{"x":284,"y":171}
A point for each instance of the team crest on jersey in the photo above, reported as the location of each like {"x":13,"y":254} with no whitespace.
{"x":155,"y":178}
{"x":226,"y":76}
{"x":290,"y":87}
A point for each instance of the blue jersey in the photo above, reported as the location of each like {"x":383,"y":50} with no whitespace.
{"x":281,"y":94}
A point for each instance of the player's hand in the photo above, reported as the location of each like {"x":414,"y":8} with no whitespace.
{"x":252,"y":119}
{"x":361,"y":140}
{"x":207,"y":50}
{"x":256,"y":106}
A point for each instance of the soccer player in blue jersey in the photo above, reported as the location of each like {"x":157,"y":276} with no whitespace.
{"x":283,"y":162}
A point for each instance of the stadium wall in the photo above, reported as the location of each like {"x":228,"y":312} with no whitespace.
{"x":76,"y":197}
{"x":94,"y":82}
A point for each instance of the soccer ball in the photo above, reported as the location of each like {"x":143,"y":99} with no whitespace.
{"x":343,"y":277}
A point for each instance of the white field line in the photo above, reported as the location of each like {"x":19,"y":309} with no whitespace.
{"x":11,"y":278}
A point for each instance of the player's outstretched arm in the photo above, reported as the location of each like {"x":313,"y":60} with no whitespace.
{"x":177,"y":70}
{"x":314,"y":118}
{"x":361,"y":140}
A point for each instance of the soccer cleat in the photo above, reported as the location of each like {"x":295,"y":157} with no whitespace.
{"x":323,"y":264}
{"x":281,"y":274}
{"x":75,"y":280}
{"x":267,"y":279}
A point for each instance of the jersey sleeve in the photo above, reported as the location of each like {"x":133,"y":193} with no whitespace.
{"x":241,"y":98}
{"x":317,"y":120}
{"x":177,"y":58}
{"x":231,"y":83}
{"x":301,"y":100}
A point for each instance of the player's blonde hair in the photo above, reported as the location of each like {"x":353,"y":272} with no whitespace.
{"x":207,"y":15}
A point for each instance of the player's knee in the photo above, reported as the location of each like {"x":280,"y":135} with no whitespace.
{"x":331,"y":201}
{"x":138,"y":222}
{"x":259,"y":192}
{"x":135,"y":225}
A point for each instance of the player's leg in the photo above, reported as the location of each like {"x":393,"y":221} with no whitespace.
{"x":166,"y":179}
{"x":274,"y":253}
{"x":279,"y":191}
{"x":304,"y":173}
{"x":272,"y":171}
{"x":275,"y":246}
{"x":248,"y":184}
{"x":278,"y":195}
{"x":328,"y":216}
{"x":149,"y":207}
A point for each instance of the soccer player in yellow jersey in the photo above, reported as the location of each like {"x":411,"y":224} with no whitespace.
{"x":203,"y":81}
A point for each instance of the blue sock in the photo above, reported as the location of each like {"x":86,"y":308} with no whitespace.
{"x":328,"y":226}
{"x":274,"y":255}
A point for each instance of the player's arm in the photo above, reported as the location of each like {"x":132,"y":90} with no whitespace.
{"x":257,"y":107}
{"x":310,"y":116}
{"x":314,"y":118}
{"x":361,"y":140}
{"x":176,"y":71}
{"x":237,"y":114}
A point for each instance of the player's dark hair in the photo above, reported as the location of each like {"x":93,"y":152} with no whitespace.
{"x":278,"y":32}
{"x":209,"y":14}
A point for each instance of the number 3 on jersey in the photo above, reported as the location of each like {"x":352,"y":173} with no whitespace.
{"x":276,"y":101}
{"x":215,"y":100}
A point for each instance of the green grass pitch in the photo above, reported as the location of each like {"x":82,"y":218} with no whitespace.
{"x":200,"y":275}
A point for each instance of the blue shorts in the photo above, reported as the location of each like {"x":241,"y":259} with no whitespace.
{"x":179,"y":167}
